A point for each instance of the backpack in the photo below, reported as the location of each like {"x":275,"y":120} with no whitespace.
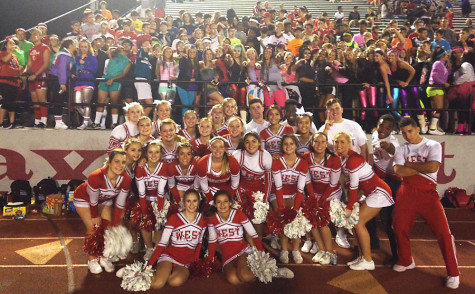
{"x":44,"y":188}
{"x":459,"y":198}
{"x":20,"y":191}
{"x":68,"y":188}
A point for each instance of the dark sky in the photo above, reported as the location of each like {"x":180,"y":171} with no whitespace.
{"x":28,"y":13}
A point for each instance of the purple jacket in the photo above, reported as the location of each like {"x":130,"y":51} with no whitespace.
{"x":439,"y":73}
{"x":86,"y":69}
{"x":62,"y":66}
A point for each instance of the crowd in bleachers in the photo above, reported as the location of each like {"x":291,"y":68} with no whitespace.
{"x":246,"y":57}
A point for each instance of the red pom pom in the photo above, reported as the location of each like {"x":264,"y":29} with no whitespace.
{"x":130,"y":204}
{"x":203,"y":268}
{"x":142,"y":221}
{"x":317,"y":215}
{"x":247,"y":206}
{"x":205,"y":207}
{"x":276,"y":220}
{"x":94,"y":244}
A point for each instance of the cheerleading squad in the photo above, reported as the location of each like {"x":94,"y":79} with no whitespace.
{"x":222,"y":175}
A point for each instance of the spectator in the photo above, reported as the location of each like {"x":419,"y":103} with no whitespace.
{"x":9,"y":68}
{"x":89,"y":28}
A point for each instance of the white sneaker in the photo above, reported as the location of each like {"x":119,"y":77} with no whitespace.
{"x":284,"y":273}
{"x":82,"y":127}
{"x":284,"y":257}
{"x":401,"y":268}
{"x":94,"y":266}
{"x":314,"y":248}
{"x":114,"y":259}
{"x":363,"y":265}
{"x":148,"y":254}
{"x":436,"y":132}
{"x":106,"y":264}
{"x":316,"y":258}
{"x":297,"y":257}
{"x":355,"y":261}
{"x":424,"y":129}
{"x":124,"y":257}
{"x":325,"y":259}
{"x":103,"y":126}
{"x":60,"y":126}
{"x":341,"y":239}
{"x":274,"y":243}
{"x":307,"y":245}
{"x":452,"y":282}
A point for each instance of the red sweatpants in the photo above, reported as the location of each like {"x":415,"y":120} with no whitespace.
{"x":418,"y":195}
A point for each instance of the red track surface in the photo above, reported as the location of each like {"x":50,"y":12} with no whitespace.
{"x":20,"y":275}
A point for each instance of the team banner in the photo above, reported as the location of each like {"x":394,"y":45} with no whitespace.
{"x":33,"y":155}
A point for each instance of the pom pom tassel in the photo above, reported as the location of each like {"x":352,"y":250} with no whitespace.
{"x":260,"y":209}
{"x":262,"y":266}
{"x":142,"y":221}
{"x":203,"y":268}
{"x":276,"y":220}
{"x":135,"y":277}
{"x":318,"y":216}
{"x":118,"y":242}
{"x":338,"y":216}
{"x":298,"y":227}
{"x":160,"y":215}
{"x":94,"y":243}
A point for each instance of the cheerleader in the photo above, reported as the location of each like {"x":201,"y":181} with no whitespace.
{"x":217,"y":117}
{"x":235,"y":125}
{"x":93,"y":201}
{"x":162,"y":111}
{"x":304,"y":125}
{"x":169,"y":139}
{"x":289,"y":173}
{"x":230,"y":109}
{"x":182,"y":174}
{"x":128,"y":129}
{"x":360,"y":175}
{"x":190,"y":120}
{"x":272,"y":135}
{"x":133,"y":148}
{"x":184,"y":232}
{"x":324,"y":168}
{"x":145,"y":130}
{"x":226,"y":227}
{"x":201,"y":145}
{"x":256,"y":166}
{"x":218,"y":170}
{"x":151,"y":180}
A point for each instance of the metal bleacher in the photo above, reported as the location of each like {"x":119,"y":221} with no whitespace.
{"x":315,"y":7}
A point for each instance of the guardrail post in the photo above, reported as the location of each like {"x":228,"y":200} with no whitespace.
{"x":69,"y":103}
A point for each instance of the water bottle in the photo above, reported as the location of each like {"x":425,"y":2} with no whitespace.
{"x":334,"y":258}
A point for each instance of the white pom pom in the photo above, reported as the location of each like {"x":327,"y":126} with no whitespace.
{"x":298,"y":227}
{"x":338,"y":214}
{"x":117,"y":242}
{"x":354,"y":217}
{"x":260,"y":208}
{"x":160,"y":215}
{"x":134,"y":278}
{"x":262,"y":266}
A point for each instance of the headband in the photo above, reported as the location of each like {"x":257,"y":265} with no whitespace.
{"x":441,"y":54}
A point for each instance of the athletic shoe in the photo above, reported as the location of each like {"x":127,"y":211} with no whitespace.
{"x":274,"y":243}
{"x":307,"y":245}
{"x":316,"y":258}
{"x":107,"y":264}
{"x":355,"y":261}
{"x":135,"y":248}
{"x":17,"y":126}
{"x":341,"y":239}
{"x":114,"y":125}
{"x":297,"y":257}
{"x":94,"y":266}
{"x":314,"y":248}
{"x":82,"y":127}
{"x":284,"y":257}
{"x":93,"y":126}
{"x":122,"y":257}
{"x":452,"y":282}
{"x":148,"y":254}
{"x":60,"y":126}
{"x":325,"y":259}
{"x":39,"y":125}
{"x":363,"y":265}
{"x":401,"y":268}
{"x":284,"y":273}
{"x":103,"y":126}
{"x":424,"y":129}
{"x":7,"y":126}
{"x":436,"y":132}
{"x":114,"y":259}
